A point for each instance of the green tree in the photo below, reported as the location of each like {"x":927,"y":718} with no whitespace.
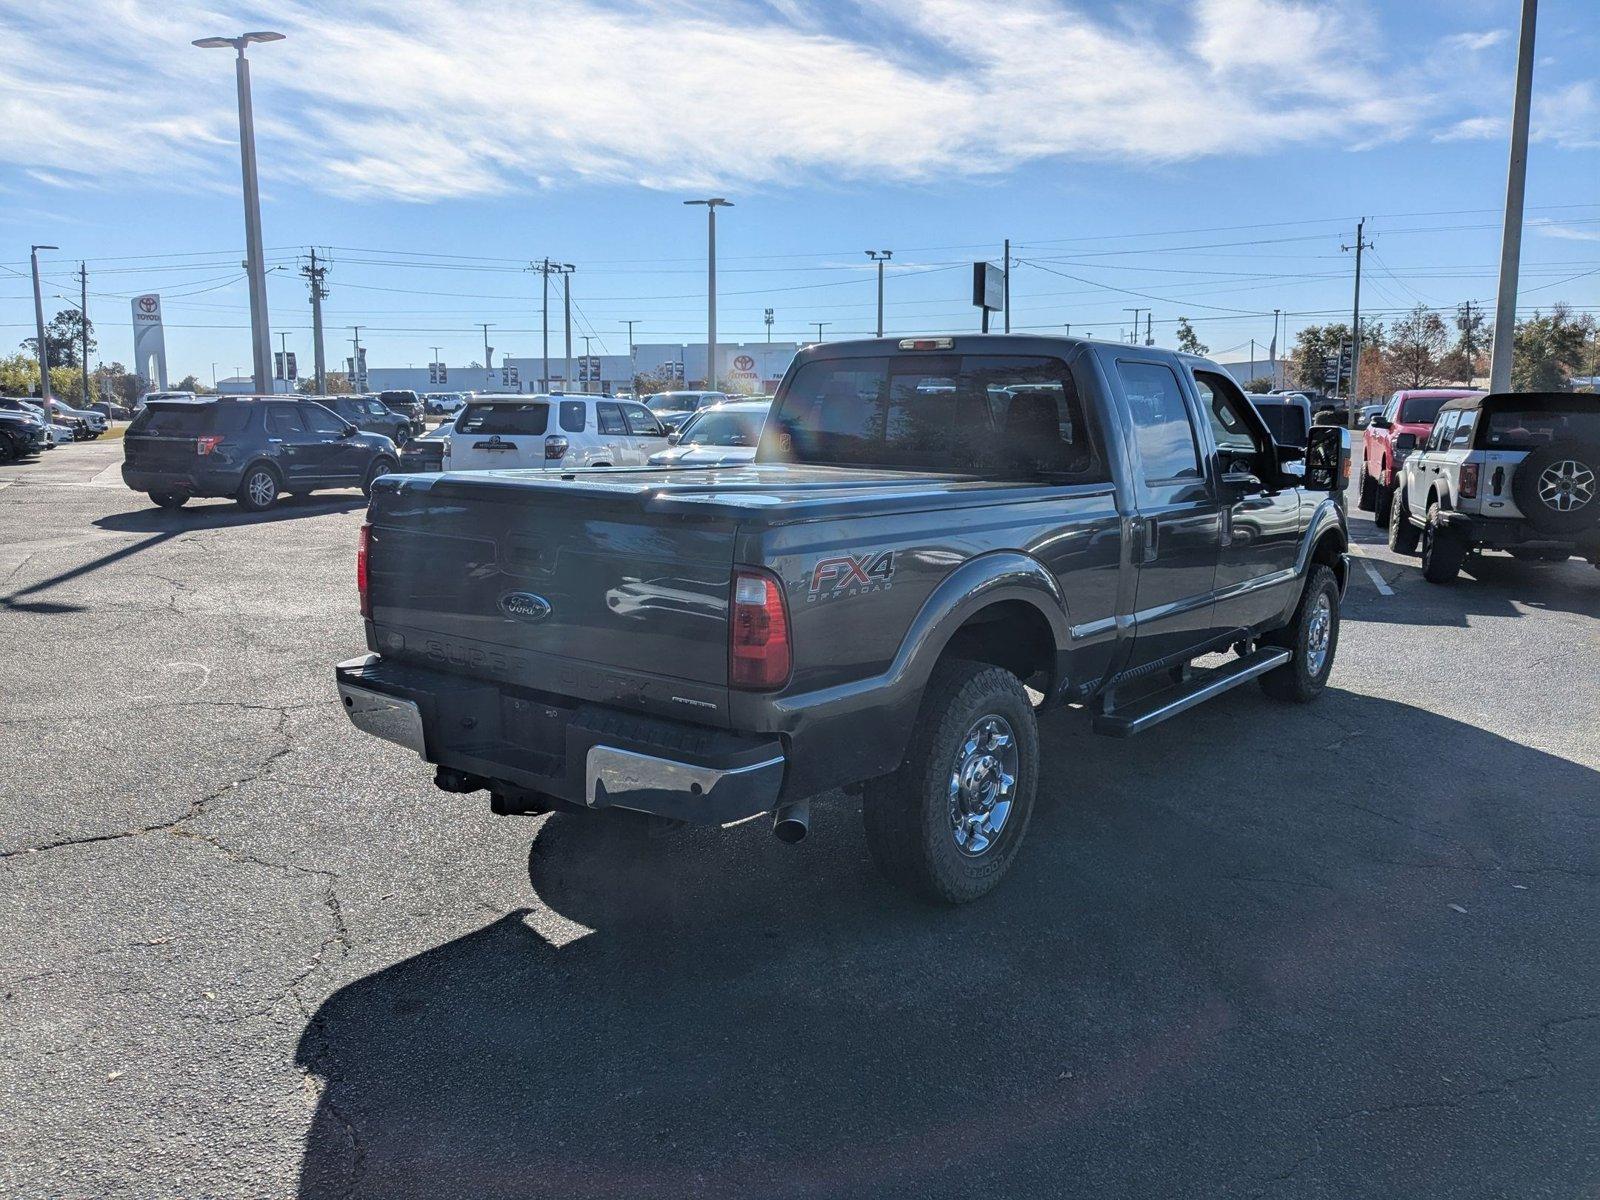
{"x":1549,"y":351}
{"x":190,"y":384}
{"x":1188,"y":341}
{"x":1259,"y":386}
{"x":64,"y":334}
{"x":19,"y":375}
{"x":113,"y":378}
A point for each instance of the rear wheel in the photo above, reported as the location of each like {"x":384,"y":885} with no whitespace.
{"x":402,"y":434}
{"x":1382,"y":506}
{"x":259,"y":489}
{"x":170,"y":499}
{"x":949,"y":821}
{"x":1368,"y":500}
{"x":1443,"y":548}
{"x":1312,"y":638}
{"x":379,"y":468}
{"x":8,"y":450}
{"x":1402,"y":533}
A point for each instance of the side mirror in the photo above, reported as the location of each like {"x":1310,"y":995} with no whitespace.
{"x":1324,"y":458}
{"x":348,"y":431}
{"x":673,"y":437}
{"x":1380,"y":422}
{"x":1405,"y":443}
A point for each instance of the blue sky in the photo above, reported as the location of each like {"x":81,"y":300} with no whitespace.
{"x":1202,"y":159}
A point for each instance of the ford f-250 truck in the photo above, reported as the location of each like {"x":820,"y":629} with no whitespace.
{"x":938,"y":536}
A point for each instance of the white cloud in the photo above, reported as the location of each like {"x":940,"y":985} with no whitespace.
{"x":1570,"y":233}
{"x":1472,"y":43}
{"x":441,"y":98}
{"x":1566,"y":116}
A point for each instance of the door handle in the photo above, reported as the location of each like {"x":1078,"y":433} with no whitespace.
{"x":1150,"y":531}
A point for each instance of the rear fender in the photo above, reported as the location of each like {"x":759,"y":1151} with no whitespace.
{"x":859,"y":730}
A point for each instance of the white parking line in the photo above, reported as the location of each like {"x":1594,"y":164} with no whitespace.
{"x":1372,"y":572}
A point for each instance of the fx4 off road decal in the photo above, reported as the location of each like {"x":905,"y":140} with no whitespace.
{"x":851,"y":575}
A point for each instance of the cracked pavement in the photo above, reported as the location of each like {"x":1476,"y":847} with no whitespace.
{"x":1345,"y":950}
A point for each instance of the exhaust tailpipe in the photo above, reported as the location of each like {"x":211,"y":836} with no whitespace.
{"x":791,"y":820}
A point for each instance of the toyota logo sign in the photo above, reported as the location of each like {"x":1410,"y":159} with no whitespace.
{"x":744,"y":363}
{"x":149,"y":303}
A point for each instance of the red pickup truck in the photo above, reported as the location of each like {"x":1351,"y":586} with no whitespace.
{"x":1394,"y":433}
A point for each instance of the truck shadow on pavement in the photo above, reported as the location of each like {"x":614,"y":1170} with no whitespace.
{"x":1216,"y":967}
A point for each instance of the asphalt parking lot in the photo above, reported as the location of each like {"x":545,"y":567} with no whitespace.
{"x":1344,"y":950}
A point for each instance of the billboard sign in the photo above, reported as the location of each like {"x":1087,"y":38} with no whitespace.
{"x":149,"y":342}
{"x":988,"y":286}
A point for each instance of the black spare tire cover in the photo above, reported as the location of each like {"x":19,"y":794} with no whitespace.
{"x":1557,"y":487}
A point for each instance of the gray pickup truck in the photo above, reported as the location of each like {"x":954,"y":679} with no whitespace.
{"x":939,"y":537}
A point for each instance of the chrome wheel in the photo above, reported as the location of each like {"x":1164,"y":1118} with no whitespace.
{"x":1319,"y":634}
{"x":1566,"y":485}
{"x":983,"y":783}
{"x":263,"y":488}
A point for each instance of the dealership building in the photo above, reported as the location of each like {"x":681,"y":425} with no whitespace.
{"x":752,"y":367}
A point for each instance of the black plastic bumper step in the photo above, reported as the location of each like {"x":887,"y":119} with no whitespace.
{"x":1141,"y":714}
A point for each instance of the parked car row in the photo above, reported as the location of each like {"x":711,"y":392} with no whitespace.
{"x":28,"y":427}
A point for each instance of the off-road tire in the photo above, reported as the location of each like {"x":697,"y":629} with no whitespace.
{"x":1403,"y":535}
{"x":1296,"y":682}
{"x":256,"y":499}
{"x":1367,"y":501}
{"x":907,"y":813}
{"x":1443,"y":548}
{"x":1383,"y":505}
{"x":170,"y":499}
{"x":9,"y":453}
{"x":1548,"y":520}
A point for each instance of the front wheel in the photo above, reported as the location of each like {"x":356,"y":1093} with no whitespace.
{"x":402,"y":434}
{"x":1312,"y":639}
{"x":1402,"y":533}
{"x":949,"y":821}
{"x":259,"y":489}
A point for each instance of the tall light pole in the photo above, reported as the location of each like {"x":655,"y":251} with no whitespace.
{"x":1136,"y":312}
{"x":566,"y":303}
{"x":767,"y":318}
{"x":712,"y":204}
{"x":880,"y":257}
{"x":819,"y":325}
{"x":587,"y":338}
{"x":260,"y":334}
{"x":1505,"y":307}
{"x":38,"y":324}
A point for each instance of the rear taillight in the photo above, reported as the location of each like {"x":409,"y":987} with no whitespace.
{"x":205,"y":445}
{"x":758,"y":632}
{"x":555,"y":447}
{"x":363,"y":547}
{"x":1467,"y":487}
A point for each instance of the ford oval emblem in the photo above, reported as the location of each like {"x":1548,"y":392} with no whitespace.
{"x":525,"y":606}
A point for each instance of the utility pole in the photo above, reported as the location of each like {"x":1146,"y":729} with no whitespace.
{"x":712,"y":204}
{"x":1149,"y":337}
{"x":1467,"y":323}
{"x":1005,"y":276}
{"x":566,"y":303}
{"x":630,"y":325}
{"x":819,"y":325}
{"x":767,"y":317}
{"x":355,"y":363}
{"x":546,"y":268}
{"x":83,"y":326}
{"x":38,"y":322}
{"x":1505,"y":305}
{"x":878,"y":256}
{"x":1353,"y":396}
{"x":488,"y":350}
{"x":1135,"y":311}
{"x":319,"y":293}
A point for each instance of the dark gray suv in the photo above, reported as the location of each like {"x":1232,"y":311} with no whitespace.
{"x":371,"y":414}
{"x":252,"y":448}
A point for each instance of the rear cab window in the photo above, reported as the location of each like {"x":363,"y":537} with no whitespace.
{"x":1005,"y":415}
{"x":532,"y":418}
{"x":190,"y":420}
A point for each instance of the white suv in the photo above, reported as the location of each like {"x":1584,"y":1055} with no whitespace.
{"x":1513,"y":471}
{"x":556,"y":431}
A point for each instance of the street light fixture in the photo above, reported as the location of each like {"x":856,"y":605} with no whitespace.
{"x":712,"y":204}
{"x":38,"y":321}
{"x":260,"y":334}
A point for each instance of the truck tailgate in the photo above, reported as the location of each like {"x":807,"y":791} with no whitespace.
{"x":567,"y":590}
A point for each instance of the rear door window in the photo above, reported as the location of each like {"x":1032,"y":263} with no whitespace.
{"x":284,"y":420}
{"x":610,"y":417}
{"x":1161,"y":425}
{"x":508,"y":419}
{"x":574,"y":416}
{"x":1461,"y":439}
